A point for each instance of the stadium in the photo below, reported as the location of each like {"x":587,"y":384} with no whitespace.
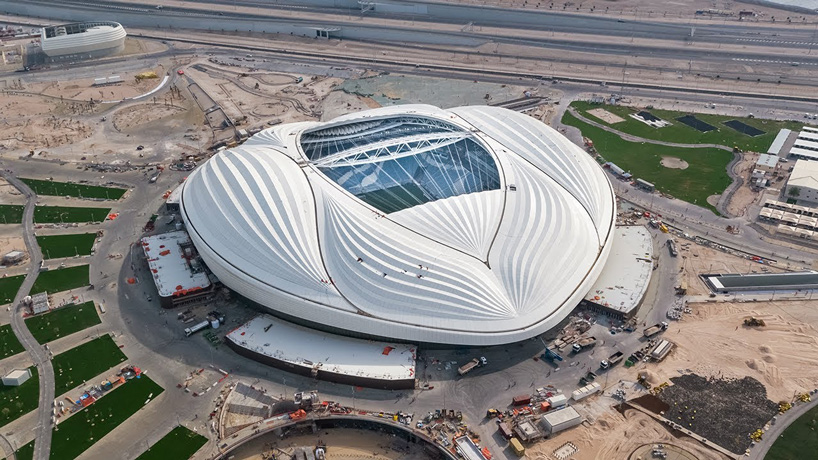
{"x":86,"y":39}
{"x":467,"y":226}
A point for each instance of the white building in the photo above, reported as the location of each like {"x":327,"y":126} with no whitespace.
{"x":467,"y":226}
{"x":803,"y":182}
{"x":16,"y":377}
{"x":559,"y":420}
{"x":766,"y":162}
{"x":806,"y":145}
{"x":86,"y":39}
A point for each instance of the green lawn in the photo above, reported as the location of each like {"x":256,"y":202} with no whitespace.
{"x":47,"y":187}
{"x":681,"y":133}
{"x":11,"y":213}
{"x":77,"y":365}
{"x":9,"y":287}
{"x":63,"y":321}
{"x":9,"y":345}
{"x":61,"y":279}
{"x":78,"y":433}
{"x":56,"y":246}
{"x":26,"y":452}
{"x":705,"y":176}
{"x":18,"y":401}
{"x":799,"y":440}
{"x":179,"y":444}
{"x":58,"y":214}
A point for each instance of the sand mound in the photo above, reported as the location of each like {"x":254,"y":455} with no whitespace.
{"x":673,"y":163}
{"x":650,"y":376}
{"x":768,"y":358}
{"x":764,"y":349}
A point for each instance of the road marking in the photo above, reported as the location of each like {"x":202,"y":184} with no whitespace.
{"x":781,"y":42}
{"x":773,"y":61}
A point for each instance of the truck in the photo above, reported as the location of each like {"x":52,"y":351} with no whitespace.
{"x":474,"y":363}
{"x":505,"y":430}
{"x":671,"y":247}
{"x":612,"y":360}
{"x":655,"y":329}
{"x":521,"y":400}
{"x":551,"y":355}
{"x":196,"y":328}
{"x":582,"y":343}
{"x":517,"y":447}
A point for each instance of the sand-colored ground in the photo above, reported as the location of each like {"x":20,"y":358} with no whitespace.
{"x":607,"y":117}
{"x":712,"y":341}
{"x":614,"y":436}
{"x":697,"y":260}
{"x":9,"y":194}
{"x":11,"y":238}
{"x":341,"y":443}
{"x":137,"y":115}
{"x":255,"y":98}
{"x":745,"y":195}
{"x":34,"y":122}
{"x":673,"y":163}
{"x":83,"y":89}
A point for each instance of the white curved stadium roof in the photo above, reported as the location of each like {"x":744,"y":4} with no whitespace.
{"x":468,"y":226}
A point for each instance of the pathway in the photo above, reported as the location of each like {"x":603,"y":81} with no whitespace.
{"x":759,"y":451}
{"x":42,"y":443}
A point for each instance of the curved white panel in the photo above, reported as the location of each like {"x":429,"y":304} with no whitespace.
{"x":495,"y":266}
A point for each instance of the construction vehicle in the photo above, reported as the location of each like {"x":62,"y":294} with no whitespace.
{"x":663,"y":227}
{"x":505,"y":430}
{"x":551,"y":355}
{"x":612,"y":360}
{"x":298,"y":415}
{"x":196,"y":328}
{"x":754,"y":322}
{"x":655,"y":329}
{"x":583,"y":343}
{"x":474,"y":363}
{"x":517,"y":447}
{"x":493,"y":413}
{"x":671,"y":247}
{"x":642,"y":379}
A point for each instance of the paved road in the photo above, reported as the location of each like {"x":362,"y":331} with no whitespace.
{"x":759,"y":451}
{"x":42,"y":443}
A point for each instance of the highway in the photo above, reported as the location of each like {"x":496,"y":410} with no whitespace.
{"x":347,"y":12}
{"x":760,"y":45}
{"x":40,"y":356}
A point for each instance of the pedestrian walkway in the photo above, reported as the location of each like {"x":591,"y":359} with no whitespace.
{"x":40,"y":357}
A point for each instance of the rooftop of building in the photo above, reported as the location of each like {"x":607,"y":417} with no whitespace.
{"x":626,"y":275}
{"x":804,"y":174}
{"x":332,"y":353}
{"x":172,"y":261}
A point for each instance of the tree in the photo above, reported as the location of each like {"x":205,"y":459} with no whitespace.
{"x":794,"y":192}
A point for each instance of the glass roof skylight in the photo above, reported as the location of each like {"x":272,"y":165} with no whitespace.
{"x":396,"y":163}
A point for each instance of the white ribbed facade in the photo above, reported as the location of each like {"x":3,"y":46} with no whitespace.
{"x":487,"y":229}
{"x":94,"y":38}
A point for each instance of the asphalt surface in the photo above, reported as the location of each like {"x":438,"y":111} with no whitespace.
{"x":40,"y":357}
{"x":759,"y":451}
{"x":760,"y":45}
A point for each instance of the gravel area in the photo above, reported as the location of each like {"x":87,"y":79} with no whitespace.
{"x":724,"y":411}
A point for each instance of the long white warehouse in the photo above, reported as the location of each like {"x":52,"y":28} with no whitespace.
{"x":467,"y":226}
